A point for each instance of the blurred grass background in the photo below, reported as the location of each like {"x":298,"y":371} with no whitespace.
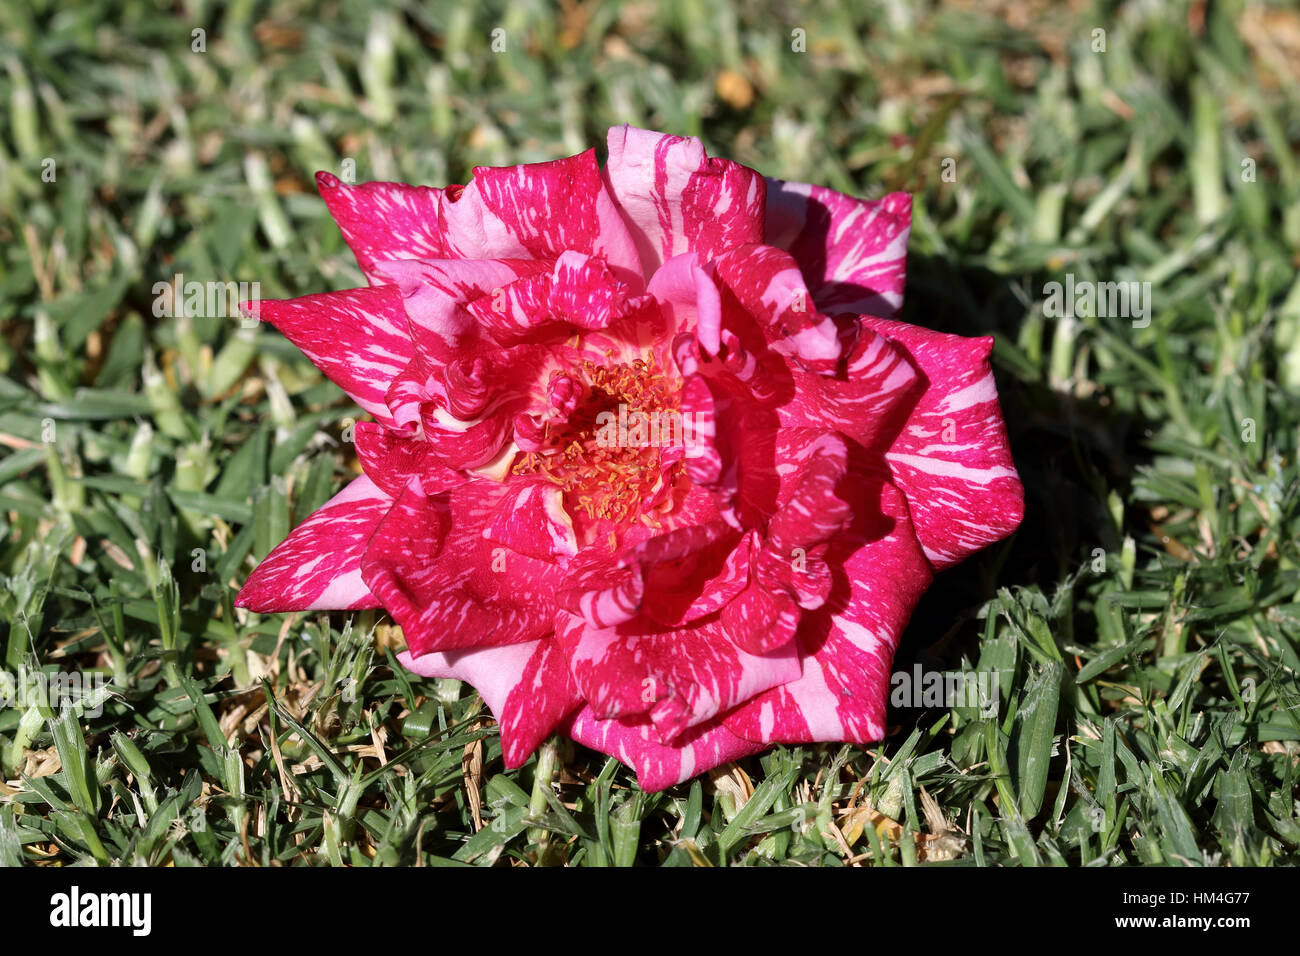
{"x":1144,"y":621}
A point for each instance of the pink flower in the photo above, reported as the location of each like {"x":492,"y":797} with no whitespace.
{"x":652,"y":462}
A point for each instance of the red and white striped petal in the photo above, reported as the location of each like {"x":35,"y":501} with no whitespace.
{"x":580,"y":292}
{"x":852,"y":252}
{"x":848,"y":644}
{"x":318,"y":567}
{"x":533,"y":211}
{"x":674,"y":199}
{"x":659,"y":765}
{"x":765,"y":283}
{"x":680,"y":677}
{"x":526,"y":686}
{"x":359,"y":338}
{"x":869,"y":403}
{"x":391,"y":460}
{"x":435,"y":294}
{"x":386,"y":220}
{"x":531,"y":520}
{"x":537,"y":211}
{"x":952,"y":458}
{"x":447,"y":585}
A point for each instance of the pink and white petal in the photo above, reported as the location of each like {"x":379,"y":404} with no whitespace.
{"x":812,"y":508}
{"x":318,"y":566}
{"x":658,"y":766}
{"x":391,"y":460}
{"x":675,"y":199}
{"x":852,"y":252}
{"x":581,"y":292}
{"x":952,"y":458}
{"x":869,"y":404}
{"x":689,"y":299}
{"x":386,"y":220}
{"x":465,"y":445}
{"x":359,"y":338}
{"x":681,"y":677}
{"x":765,"y":283}
{"x":435,"y":293}
{"x":526,"y":686}
{"x":848,"y":644}
{"x":445,"y":584}
{"x":531,"y":520}
{"x":537,"y":211}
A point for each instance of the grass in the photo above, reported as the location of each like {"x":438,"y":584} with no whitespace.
{"x":1142,"y":627}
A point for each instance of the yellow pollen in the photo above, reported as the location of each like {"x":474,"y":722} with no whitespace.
{"x":601,"y":481}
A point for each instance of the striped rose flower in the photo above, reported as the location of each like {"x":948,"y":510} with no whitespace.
{"x":652,"y":463}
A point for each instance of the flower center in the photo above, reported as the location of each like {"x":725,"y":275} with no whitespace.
{"x":613,"y":441}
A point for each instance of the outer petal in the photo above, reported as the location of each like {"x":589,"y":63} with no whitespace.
{"x":533,"y":211}
{"x":681,"y":677}
{"x":318,"y":567}
{"x":952,"y":458}
{"x":658,"y":765}
{"x":443,"y":581}
{"x":526,"y":686}
{"x":359,"y":338}
{"x":386,"y":220}
{"x":849,"y":643}
{"x":675,"y":199}
{"x":852,"y":252}
{"x":537,"y":211}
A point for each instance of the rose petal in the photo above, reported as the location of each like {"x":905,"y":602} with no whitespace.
{"x":318,"y":566}
{"x":681,"y":677}
{"x":674,"y":199}
{"x":658,"y":765}
{"x":952,"y":458}
{"x":359,"y":338}
{"x":392,"y":460}
{"x":848,"y":644}
{"x":448,"y":586}
{"x":385,"y":220}
{"x":526,"y":686}
{"x":852,"y":252}
{"x":533,"y":211}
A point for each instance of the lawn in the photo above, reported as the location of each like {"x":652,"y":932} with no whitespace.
{"x":1137,"y":637}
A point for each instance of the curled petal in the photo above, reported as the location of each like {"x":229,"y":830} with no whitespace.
{"x":681,"y":677}
{"x":531,"y":520}
{"x":952,"y":458}
{"x":658,"y":765}
{"x":848,"y":644}
{"x":436,"y":294}
{"x":674,"y":199}
{"x":852,"y":252}
{"x":392,"y":461}
{"x":447,"y":585}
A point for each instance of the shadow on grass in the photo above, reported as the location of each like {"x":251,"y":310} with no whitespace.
{"x":1071,"y":453}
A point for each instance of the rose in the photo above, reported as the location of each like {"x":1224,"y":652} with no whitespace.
{"x":677,"y":600}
